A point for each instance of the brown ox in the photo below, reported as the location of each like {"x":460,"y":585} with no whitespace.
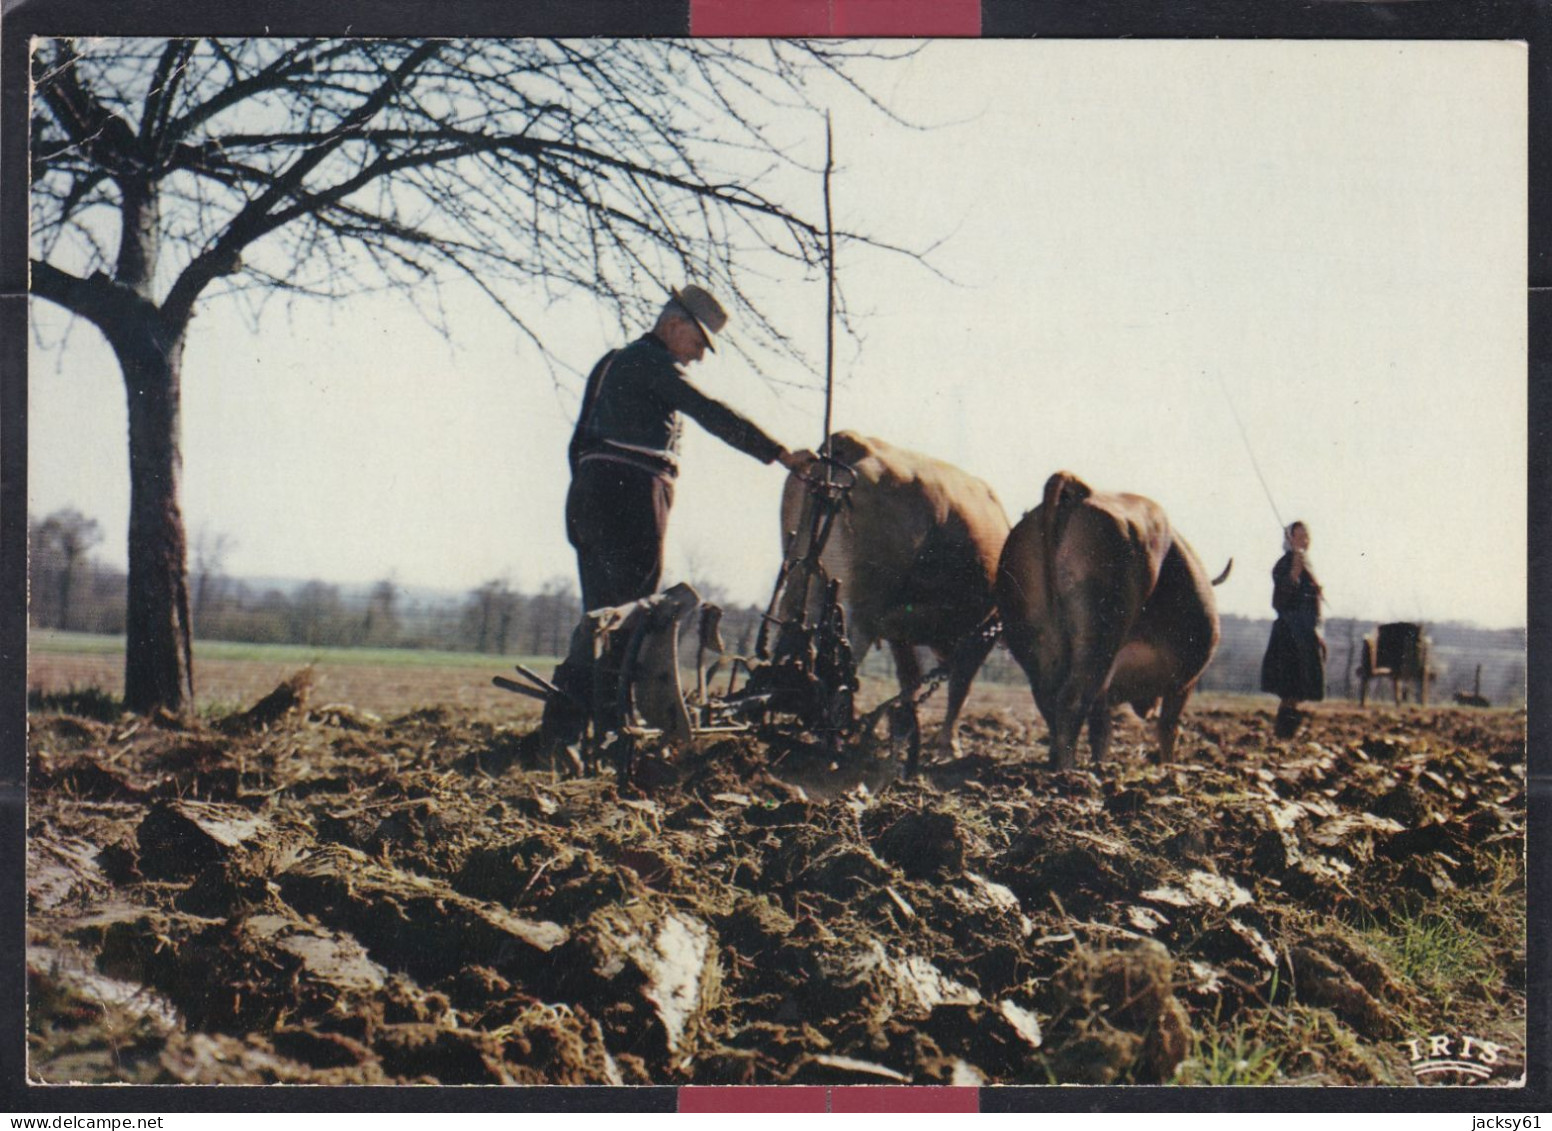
{"x":915,"y":549}
{"x":1103,"y":603}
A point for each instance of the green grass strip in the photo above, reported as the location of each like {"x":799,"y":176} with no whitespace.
{"x":52,"y":641}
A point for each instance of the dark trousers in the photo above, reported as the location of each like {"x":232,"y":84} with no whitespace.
{"x":616,"y":519}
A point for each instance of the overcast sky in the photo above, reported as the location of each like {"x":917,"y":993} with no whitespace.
{"x":1328,"y":236}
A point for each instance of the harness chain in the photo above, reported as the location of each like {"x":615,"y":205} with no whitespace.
{"x":930,"y":682}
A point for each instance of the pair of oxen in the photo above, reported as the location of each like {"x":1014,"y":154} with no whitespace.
{"x":1101,"y":602}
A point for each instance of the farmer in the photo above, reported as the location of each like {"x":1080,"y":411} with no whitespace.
{"x":625,"y":450}
{"x":624,"y":456}
{"x":1294,"y":668}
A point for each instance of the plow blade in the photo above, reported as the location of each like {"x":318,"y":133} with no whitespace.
{"x":649,"y":674}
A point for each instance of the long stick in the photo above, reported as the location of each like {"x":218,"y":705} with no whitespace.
{"x":1249,"y":451}
{"x":829,"y":290}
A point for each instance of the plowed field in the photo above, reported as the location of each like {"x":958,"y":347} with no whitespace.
{"x":319,"y":894}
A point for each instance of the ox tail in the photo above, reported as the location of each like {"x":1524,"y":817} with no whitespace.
{"x":1224,"y":576}
{"x":1064,"y":493}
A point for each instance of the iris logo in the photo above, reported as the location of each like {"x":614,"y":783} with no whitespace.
{"x":1441,"y":1054}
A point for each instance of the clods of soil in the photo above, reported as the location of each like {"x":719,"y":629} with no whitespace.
{"x":328,"y":896}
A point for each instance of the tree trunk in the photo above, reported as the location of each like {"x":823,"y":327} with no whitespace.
{"x":158,"y":664}
{"x":503,"y":629}
{"x":64,"y":592}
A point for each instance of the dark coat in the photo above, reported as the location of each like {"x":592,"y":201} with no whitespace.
{"x":634,"y":397}
{"x":1295,"y":663}
{"x":624,"y":458}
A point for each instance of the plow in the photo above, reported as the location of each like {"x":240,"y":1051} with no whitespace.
{"x":656,"y":674}
{"x":659,"y":673}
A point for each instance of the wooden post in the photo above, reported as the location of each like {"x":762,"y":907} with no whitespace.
{"x":829,"y":292}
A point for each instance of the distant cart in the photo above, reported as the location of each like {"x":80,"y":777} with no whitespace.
{"x":1398,"y":652}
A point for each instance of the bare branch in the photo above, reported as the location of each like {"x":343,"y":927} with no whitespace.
{"x":163,"y":89}
{"x":94,"y":298}
{"x":531,"y":169}
{"x":253,"y":221}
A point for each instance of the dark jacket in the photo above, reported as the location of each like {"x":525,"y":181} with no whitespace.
{"x":1295,"y":663}
{"x":631,"y":407}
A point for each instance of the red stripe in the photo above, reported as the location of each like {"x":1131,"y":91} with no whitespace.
{"x":784,"y":1099}
{"x":907,"y":17}
{"x":835,"y":17}
{"x":874,"y":1099}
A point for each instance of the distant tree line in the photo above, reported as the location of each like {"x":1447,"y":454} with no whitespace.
{"x":73,"y":591}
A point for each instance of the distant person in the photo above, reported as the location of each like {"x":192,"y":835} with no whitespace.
{"x":624,"y":455}
{"x":1294,"y":668}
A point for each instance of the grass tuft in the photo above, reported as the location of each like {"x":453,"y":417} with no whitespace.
{"x":1433,"y":949}
{"x":1229,"y":1059}
{"x":1450,"y":948}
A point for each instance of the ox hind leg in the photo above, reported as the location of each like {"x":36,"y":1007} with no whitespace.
{"x":1066,"y":727}
{"x":1100,"y":721}
{"x":963,"y":664}
{"x":1084,"y":697}
{"x":1171,"y":707}
{"x":903,"y":721}
{"x":1078,"y":702}
{"x":1054,"y":695}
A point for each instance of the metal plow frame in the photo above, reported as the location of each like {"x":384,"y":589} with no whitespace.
{"x":803,"y":668}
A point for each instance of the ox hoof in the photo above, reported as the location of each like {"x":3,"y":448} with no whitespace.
{"x":948,"y":752}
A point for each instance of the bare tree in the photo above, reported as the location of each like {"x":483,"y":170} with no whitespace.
{"x":484,"y":611}
{"x":62,"y":541}
{"x":168,"y":171}
{"x":381,"y":622}
{"x":553,"y":612}
{"x":317,"y":614}
{"x":506,"y":613}
{"x":210,"y":552}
